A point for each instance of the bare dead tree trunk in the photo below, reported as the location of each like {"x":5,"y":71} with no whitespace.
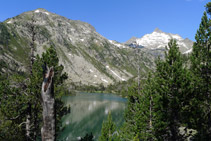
{"x":48,"y":104}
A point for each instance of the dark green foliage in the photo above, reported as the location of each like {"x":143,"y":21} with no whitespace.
{"x":171,"y":90}
{"x":50,"y":58}
{"x":201,"y":70}
{"x":108,"y":130}
{"x":14,"y":98}
{"x":157,"y":112}
{"x":131,"y":123}
{"x":208,"y":8}
{"x":88,"y":137}
{"x":12,"y":110}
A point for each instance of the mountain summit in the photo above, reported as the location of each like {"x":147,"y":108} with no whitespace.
{"x":87,"y":57}
{"x":157,"y":30}
{"x":159,"y":39}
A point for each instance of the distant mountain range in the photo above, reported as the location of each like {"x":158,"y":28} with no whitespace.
{"x":87,"y":56}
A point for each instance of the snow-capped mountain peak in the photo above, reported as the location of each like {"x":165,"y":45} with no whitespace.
{"x":159,"y":39}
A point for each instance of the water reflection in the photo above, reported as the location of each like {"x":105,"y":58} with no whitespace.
{"x":88,"y":112}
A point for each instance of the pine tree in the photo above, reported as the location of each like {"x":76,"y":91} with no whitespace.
{"x":129,"y":129}
{"x":201,"y":69}
{"x":48,"y":58}
{"x":12,"y":110}
{"x":140,"y":113}
{"x":14,"y":98}
{"x":146,"y":113}
{"x":170,"y":91}
{"x":108,"y":129}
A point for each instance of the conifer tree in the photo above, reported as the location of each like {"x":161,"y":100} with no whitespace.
{"x":49,"y":58}
{"x":108,"y":129}
{"x":170,"y":87}
{"x":201,"y":70}
{"x":14,"y":98}
{"x":140,"y":113}
{"x":12,"y":110}
{"x":129,"y":129}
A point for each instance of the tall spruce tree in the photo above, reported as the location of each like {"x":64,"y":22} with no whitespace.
{"x":201,"y":70}
{"x":108,"y":130}
{"x":170,"y":90}
{"x":129,"y":129}
{"x":140,"y":113}
{"x":12,"y":110}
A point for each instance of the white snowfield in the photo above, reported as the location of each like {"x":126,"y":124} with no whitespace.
{"x":152,"y":40}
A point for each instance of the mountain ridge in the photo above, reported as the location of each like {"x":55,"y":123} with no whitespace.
{"x":87,"y":57}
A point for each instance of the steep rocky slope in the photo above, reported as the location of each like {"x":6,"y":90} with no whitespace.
{"x":87,"y":56}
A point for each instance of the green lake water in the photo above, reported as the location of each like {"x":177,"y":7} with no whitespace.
{"x":88,"y":110}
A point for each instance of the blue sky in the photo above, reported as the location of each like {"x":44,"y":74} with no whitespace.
{"x":120,"y":19}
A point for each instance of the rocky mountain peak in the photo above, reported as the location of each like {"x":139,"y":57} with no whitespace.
{"x":87,"y":56}
{"x":158,"y":30}
{"x":158,"y":39}
{"x":131,"y":40}
{"x":41,"y":10}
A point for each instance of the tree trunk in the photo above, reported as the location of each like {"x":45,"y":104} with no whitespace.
{"x":48,"y":105}
{"x":29,"y":125}
{"x":137,"y":53}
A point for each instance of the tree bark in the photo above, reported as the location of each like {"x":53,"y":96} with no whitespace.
{"x":48,"y":105}
{"x":29,"y":135}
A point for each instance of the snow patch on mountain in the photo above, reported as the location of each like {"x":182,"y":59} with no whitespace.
{"x":104,"y":80}
{"x":9,"y":22}
{"x":188,"y":51}
{"x":119,"y":45}
{"x":39,"y":11}
{"x":46,"y":13}
{"x":115,"y":73}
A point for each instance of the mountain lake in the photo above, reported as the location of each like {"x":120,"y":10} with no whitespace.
{"x":88,"y":111}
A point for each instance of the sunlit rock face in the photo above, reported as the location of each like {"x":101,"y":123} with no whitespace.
{"x":82,"y":51}
{"x":88,"y":112}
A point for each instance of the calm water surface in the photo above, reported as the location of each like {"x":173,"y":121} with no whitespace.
{"x":88,"y":110}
